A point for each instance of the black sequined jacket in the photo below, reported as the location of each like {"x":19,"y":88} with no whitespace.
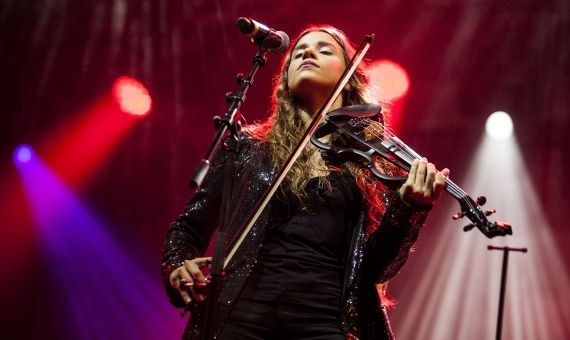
{"x":373,"y":257}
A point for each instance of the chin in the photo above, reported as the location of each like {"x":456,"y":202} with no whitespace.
{"x":308,"y":84}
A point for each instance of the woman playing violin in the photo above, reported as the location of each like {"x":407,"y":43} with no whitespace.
{"x":309,"y":267}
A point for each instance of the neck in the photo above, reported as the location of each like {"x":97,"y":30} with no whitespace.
{"x":313,"y":105}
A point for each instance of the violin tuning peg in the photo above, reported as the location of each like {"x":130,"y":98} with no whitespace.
{"x":481,"y":200}
{"x":490,"y":211}
{"x":502,"y":224}
{"x":240,"y":78}
{"x":458,"y":215}
{"x":217,"y":121}
{"x":505,"y":227}
{"x":468,"y":227}
{"x":230,"y":97}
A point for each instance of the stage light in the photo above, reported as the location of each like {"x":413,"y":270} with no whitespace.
{"x":389,"y":83}
{"x":499,"y":125}
{"x":22,"y":154}
{"x":132,"y":96}
{"x":94,"y":279}
{"x":390,"y":79}
{"x":452,"y":291}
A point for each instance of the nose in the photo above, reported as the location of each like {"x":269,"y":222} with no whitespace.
{"x":309,"y":52}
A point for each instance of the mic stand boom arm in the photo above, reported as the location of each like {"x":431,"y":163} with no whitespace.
{"x":230,"y":121}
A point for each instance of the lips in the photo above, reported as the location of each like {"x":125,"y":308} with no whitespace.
{"x":308,"y":63}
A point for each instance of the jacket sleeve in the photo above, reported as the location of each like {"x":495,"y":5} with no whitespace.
{"x":188,"y":236}
{"x":388,"y":247}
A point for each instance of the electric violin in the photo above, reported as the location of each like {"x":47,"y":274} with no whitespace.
{"x":361,"y":138}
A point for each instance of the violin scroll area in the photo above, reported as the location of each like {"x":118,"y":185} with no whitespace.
{"x":491,"y":229}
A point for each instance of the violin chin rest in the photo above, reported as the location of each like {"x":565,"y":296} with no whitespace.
{"x":358,"y":110}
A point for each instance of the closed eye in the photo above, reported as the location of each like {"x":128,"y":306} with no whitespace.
{"x":299,"y":54}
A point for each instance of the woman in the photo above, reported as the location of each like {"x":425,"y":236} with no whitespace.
{"x":309,"y":266}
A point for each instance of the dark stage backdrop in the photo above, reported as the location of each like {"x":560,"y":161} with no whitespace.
{"x":465,"y":59}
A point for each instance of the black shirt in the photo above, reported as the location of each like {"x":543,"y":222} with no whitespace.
{"x":303,"y":257}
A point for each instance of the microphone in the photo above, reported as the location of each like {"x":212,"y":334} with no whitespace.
{"x":274,"y":41}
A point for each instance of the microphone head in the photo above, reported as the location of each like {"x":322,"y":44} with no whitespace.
{"x":267,"y":38}
{"x":282,"y":43}
{"x":245,"y":25}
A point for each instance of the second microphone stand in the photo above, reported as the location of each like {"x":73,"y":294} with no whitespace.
{"x":506,"y":251}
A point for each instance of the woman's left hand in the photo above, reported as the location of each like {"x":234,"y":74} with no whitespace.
{"x":424,"y":183}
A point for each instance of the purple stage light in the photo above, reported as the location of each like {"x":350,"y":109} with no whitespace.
{"x":23,"y":153}
{"x":102,"y":288}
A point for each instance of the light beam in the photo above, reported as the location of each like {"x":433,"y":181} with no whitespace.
{"x":100,"y":291}
{"x":454,"y":290}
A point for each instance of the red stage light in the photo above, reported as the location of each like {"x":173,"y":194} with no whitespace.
{"x":132,"y":96}
{"x":390,"y":78}
{"x":390,"y":84}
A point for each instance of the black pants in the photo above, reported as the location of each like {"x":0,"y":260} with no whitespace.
{"x":252,"y":319}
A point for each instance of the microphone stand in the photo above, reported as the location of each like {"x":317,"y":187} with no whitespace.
{"x":229,"y":122}
{"x":506,"y":251}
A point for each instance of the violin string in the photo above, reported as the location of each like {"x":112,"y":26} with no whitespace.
{"x":382,"y":131}
{"x":396,"y":161}
{"x":379,"y":130}
{"x":451,"y":186}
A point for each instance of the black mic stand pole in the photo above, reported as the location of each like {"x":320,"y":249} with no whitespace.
{"x":230,"y":121}
{"x":506,"y":251}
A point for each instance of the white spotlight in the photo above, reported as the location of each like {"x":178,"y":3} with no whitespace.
{"x":499,"y":125}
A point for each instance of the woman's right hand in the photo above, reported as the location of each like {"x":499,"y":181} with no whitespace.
{"x":185,"y":277}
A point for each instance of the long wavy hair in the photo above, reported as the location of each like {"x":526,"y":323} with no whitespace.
{"x":285,"y":126}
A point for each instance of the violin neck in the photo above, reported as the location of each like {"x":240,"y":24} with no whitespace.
{"x":454,"y":190}
{"x":407,"y":155}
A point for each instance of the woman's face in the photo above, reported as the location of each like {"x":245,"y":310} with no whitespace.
{"x":317,"y":62}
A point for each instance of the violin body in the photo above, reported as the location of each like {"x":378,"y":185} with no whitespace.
{"x":360,"y":137}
